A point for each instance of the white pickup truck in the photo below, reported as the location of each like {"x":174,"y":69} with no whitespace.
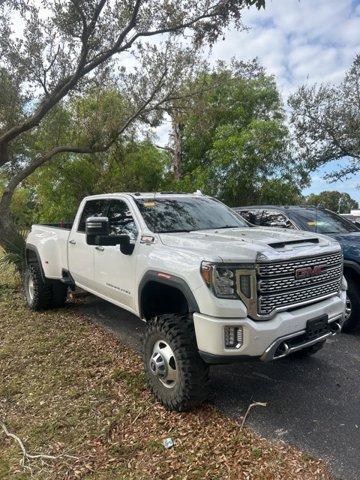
{"x":211,"y":288}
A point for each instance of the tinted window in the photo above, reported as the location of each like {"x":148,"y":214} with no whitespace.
{"x":252,"y":216}
{"x":93,"y":208}
{"x":186,"y":214}
{"x":275,"y":218}
{"x":121,"y":220}
{"x":320,"y":221}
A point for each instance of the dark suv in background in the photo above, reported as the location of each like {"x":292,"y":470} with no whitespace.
{"x":318,"y":220}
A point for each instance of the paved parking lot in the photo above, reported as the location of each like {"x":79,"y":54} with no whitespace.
{"x":312,"y":403}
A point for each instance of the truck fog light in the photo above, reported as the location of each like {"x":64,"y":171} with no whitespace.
{"x":233,"y":337}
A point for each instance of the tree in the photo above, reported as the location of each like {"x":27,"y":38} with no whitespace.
{"x":332,"y":200}
{"x":235,"y":143}
{"x":127,"y":166}
{"x":326,"y":120}
{"x":66,"y":45}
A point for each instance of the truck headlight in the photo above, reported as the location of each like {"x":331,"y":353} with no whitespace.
{"x":221,"y":280}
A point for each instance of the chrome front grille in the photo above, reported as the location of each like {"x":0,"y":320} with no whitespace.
{"x":277,"y":287}
{"x":267,"y":304}
{"x":281,"y":268}
{"x":273,"y":285}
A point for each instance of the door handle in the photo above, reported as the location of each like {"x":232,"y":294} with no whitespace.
{"x":73,"y":242}
{"x":100,"y":249}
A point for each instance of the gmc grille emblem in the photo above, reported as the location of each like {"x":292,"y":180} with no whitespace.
{"x":307,"y":272}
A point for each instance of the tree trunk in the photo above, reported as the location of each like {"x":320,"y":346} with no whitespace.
{"x":8,"y":230}
{"x":178,"y":151}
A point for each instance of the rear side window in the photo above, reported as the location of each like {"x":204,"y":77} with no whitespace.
{"x":253,"y":216}
{"x":275,"y":218}
{"x":93,"y":208}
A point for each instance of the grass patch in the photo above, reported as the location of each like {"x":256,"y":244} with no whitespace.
{"x":69,"y":387}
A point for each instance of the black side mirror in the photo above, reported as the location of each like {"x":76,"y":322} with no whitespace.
{"x":95,"y":227}
{"x":111,"y":240}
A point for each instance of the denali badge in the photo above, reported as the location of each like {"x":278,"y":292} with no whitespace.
{"x":307,"y":272}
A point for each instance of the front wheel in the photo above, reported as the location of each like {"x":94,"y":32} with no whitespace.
{"x":176,"y":374}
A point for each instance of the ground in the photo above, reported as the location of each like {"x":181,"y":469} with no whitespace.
{"x":71,"y":389}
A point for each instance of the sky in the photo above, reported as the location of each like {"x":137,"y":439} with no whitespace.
{"x":301,"y":41}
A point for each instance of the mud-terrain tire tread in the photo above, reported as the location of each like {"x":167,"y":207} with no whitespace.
{"x":193,"y":385}
{"x":42,"y":299}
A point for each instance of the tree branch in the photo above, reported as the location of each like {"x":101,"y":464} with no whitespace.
{"x":82,"y":69}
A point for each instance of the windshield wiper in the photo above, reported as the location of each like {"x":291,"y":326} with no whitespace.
{"x":225,"y":226}
{"x":174,"y":231}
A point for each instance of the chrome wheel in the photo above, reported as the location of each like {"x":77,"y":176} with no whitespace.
{"x":163,"y":364}
{"x":348,"y":308}
{"x":30,"y":287}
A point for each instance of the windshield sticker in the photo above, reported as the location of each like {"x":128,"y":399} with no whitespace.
{"x":150,"y":204}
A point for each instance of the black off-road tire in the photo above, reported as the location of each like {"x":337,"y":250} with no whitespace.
{"x":39,"y":297}
{"x":308,"y":351}
{"x":59,"y":294}
{"x":192,"y":384}
{"x":353,"y":294}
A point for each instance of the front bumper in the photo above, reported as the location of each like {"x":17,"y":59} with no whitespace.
{"x":261,"y":339}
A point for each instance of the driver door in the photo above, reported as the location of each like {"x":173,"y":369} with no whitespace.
{"x":115,"y":271}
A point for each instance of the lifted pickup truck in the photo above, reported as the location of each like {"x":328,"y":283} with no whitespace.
{"x":211,"y":288}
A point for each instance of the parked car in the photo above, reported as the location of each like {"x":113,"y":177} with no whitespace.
{"x":319,"y":220}
{"x":211,"y":289}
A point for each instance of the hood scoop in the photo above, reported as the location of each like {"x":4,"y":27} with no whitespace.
{"x":293,"y":242}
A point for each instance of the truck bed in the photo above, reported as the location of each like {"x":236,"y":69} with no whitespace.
{"x":51,"y":243}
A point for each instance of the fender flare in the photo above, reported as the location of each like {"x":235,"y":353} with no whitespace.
{"x":172,"y":281}
{"x":33,"y":248}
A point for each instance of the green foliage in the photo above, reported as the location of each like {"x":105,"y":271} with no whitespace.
{"x":333,"y":200}
{"x":14,"y":251}
{"x":236,"y":144}
{"x":131,"y":166}
{"x":326,"y":121}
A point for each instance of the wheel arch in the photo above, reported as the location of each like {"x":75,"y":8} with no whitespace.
{"x":155,"y":287}
{"x":351,"y":269}
{"x":32,"y":256}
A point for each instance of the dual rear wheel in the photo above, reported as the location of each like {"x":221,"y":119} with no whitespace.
{"x":41,"y":293}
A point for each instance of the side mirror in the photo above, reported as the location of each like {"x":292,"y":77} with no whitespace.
{"x":98,"y":233}
{"x":95,"y":227}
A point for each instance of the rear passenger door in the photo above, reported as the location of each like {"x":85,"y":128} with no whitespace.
{"x":80,"y":254}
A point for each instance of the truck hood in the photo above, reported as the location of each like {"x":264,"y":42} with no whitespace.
{"x":245,"y":244}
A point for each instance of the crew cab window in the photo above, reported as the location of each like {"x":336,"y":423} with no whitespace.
{"x":93,"y":208}
{"x":121,"y":220}
{"x":275,"y":218}
{"x":253,"y":216}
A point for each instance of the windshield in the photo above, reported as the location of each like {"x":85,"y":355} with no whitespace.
{"x":326,"y":222}
{"x":166,"y":215}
